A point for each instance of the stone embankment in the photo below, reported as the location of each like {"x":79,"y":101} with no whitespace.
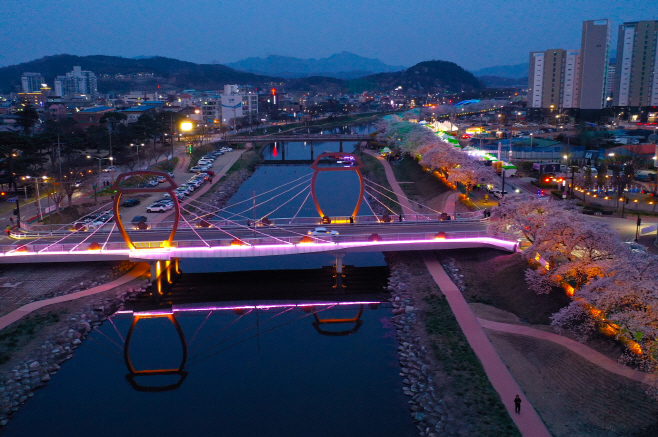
{"x":429,"y":412}
{"x":34,"y":370}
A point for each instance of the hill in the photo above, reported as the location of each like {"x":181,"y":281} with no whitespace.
{"x":508,"y":71}
{"x":343,"y":65}
{"x":170,"y":73}
{"x":428,"y":76}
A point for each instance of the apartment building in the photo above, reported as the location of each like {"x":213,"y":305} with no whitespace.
{"x":594,"y":61}
{"x":32,"y":82}
{"x":77,"y":83}
{"x":636,"y":82}
{"x":554,"y":79}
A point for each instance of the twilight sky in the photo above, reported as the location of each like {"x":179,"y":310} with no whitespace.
{"x":472,"y":33}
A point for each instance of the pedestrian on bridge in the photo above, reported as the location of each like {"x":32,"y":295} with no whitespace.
{"x":517,"y":404}
{"x":8,"y":230}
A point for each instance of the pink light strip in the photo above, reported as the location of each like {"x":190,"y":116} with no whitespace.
{"x":246,"y":307}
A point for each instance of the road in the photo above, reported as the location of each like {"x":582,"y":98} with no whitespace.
{"x":214,"y":234}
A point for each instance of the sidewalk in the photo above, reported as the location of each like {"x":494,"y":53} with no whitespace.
{"x":406,"y":205}
{"x":528,"y":422}
{"x":16,"y":315}
{"x":586,"y":352}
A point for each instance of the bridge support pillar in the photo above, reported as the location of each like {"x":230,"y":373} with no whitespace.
{"x":339,"y":272}
{"x":341,"y":147}
{"x":164,"y":273}
{"x":312,"y":158}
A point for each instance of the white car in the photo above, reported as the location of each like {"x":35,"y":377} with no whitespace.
{"x":161,"y":207}
{"x":109,"y":169}
{"x":323,"y":232}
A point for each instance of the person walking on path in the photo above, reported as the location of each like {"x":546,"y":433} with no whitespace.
{"x":8,"y":230}
{"x":517,"y":404}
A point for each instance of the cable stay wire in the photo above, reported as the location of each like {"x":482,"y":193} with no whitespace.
{"x":381,"y":203}
{"x":270,"y":227}
{"x":258,"y":334}
{"x":252,"y":198}
{"x":369,"y":206}
{"x":300,"y":208}
{"x":199,"y":329}
{"x":190,"y":226}
{"x":90,"y":235}
{"x":395,"y":201}
{"x":287,"y":201}
{"x":51,"y":233}
{"x":248,"y":228}
{"x":248,"y":328}
{"x":403,"y":196}
{"x":117,"y":331}
{"x":215,"y":334}
{"x":114,"y":225}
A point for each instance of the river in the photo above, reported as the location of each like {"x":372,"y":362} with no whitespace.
{"x":316,"y":363}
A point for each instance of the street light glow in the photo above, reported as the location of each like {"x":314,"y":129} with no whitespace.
{"x":186,"y":126}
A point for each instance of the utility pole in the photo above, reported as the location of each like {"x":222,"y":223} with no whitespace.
{"x":637,"y":230}
{"x":254,"y":208}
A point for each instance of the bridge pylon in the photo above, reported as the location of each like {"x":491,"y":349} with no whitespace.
{"x":164,"y":273}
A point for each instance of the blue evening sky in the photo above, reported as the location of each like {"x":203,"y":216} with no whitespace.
{"x":472,"y":33}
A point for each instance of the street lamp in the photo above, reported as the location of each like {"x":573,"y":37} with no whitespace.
{"x":531,"y":136}
{"x":137,"y":145}
{"x":100,"y":160}
{"x":36,"y":182}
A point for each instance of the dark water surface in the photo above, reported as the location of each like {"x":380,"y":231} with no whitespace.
{"x":277,"y":371}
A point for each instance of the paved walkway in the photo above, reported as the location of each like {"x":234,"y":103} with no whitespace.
{"x":16,"y":315}
{"x":528,"y":422}
{"x":390,"y":176}
{"x":586,"y":352}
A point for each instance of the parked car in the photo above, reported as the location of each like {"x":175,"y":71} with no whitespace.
{"x":161,"y":179}
{"x":323,"y":232}
{"x":159,"y":207}
{"x":131,"y":202}
{"x":195,"y":169}
{"x":139,"y":218}
{"x":171,"y":174}
{"x":152,"y":183}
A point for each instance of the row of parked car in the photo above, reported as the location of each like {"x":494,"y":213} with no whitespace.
{"x":192,"y":184}
{"x":205,"y":163}
{"x":93,"y":221}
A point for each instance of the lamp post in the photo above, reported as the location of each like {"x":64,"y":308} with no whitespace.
{"x":38,"y":203}
{"x":100,"y":160}
{"x":138,"y":146}
{"x":531,"y":136}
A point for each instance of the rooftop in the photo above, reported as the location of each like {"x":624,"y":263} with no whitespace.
{"x":97,"y":109}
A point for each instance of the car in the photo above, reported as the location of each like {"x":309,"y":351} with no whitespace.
{"x":77,"y":184}
{"x":161,"y":179}
{"x":323,"y":232}
{"x":109,"y":169}
{"x":206,"y":168}
{"x":139,"y":219}
{"x":188,"y":187}
{"x":152,"y":183}
{"x":171,"y":174}
{"x":131,"y":202}
{"x":182,"y":190}
{"x":161,"y":207}
{"x":194,"y":169}
{"x":499,"y":194}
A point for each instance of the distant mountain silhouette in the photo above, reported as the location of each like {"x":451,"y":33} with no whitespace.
{"x":428,"y":76}
{"x":504,"y":82}
{"x":509,"y":71}
{"x":344,"y":65}
{"x":167,"y":72}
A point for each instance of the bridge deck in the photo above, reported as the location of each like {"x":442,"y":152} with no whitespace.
{"x":296,"y":138}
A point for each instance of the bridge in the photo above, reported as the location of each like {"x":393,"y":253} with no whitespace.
{"x":309,"y":138}
{"x":200,"y":230}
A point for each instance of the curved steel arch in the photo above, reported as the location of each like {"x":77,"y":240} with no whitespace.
{"x":356,"y":320}
{"x":119,"y":190}
{"x":355,"y":168}
{"x":126,"y":347}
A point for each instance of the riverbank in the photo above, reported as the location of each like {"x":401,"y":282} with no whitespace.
{"x":33,"y":348}
{"x":450,"y":392}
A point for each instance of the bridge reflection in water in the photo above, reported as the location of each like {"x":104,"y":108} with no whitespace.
{"x":328,"y":310}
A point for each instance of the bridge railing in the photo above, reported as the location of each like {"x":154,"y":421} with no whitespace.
{"x":259,"y":241}
{"x":296,"y":221}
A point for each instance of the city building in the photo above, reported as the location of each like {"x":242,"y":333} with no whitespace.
{"x":594,"y":61}
{"x":610,"y":85}
{"x":90,"y":116}
{"x":554,"y":79}
{"x":32,"y":82}
{"x":636,"y":84}
{"x":238,"y":104}
{"x":76,"y":84}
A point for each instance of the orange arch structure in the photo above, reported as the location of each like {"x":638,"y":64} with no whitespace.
{"x":355,"y":168}
{"x":356,"y":320}
{"x":150,"y":372}
{"x":119,"y":190}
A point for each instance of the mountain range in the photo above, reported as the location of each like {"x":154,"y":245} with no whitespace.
{"x":506,"y":71}
{"x":123,"y":74}
{"x":343,"y":65}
